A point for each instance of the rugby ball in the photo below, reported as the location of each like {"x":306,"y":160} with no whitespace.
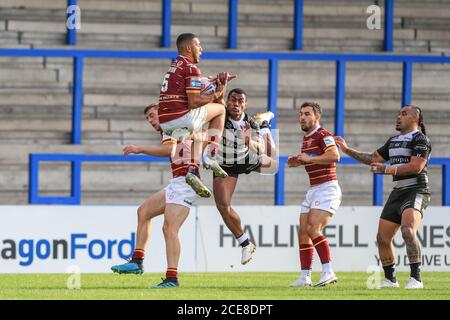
{"x":207,"y":87}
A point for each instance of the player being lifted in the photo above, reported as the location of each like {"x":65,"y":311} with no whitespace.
{"x":181,"y":106}
{"x":247,"y":146}
{"x":319,"y":155}
{"x":174,"y":202}
{"x":408,"y":154}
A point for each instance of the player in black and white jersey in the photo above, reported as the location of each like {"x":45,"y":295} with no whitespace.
{"x":408,"y":154}
{"x":247,"y":146}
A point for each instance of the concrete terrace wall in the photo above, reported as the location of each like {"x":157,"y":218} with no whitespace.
{"x":35,"y":93}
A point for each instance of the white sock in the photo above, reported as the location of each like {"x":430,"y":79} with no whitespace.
{"x":242,"y":238}
{"x":306,"y":273}
{"x":326,"y":267}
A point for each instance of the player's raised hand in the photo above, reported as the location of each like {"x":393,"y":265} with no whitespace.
{"x":220,"y":90}
{"x":341,"y":143}
{"x":131,"y":149}
{"x":224,"y":77}
{"x":214,"y":78}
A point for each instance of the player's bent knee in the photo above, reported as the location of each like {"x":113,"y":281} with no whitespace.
{"x":224,"y":210}
{"x":222,"y":109}
{"x":383,"y":240}
{"x":312,"y":231}
{"x":407,"y":233}
{"x":217,"y":109}
{"x":304,"y":237}
{"x":166,"y":230}
{"x":141,"y":213}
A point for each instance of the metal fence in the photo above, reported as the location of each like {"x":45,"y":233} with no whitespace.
{"x":77,"y":159}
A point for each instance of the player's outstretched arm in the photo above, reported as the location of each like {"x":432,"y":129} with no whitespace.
{"x":163,"y":150}
{"x":256,"y":145}
{"x":270,"y":149}
{"x":253,"y":140}
{"x":220,"y":99}
{"x":363,"y":157}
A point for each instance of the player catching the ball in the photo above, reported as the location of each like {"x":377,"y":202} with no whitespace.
{"x":247,"y":146}
{"x":182,"y":107}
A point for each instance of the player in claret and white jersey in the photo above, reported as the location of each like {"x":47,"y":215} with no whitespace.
{"x":319,"y":155}
{"x":183,"y":107}
{"x":174,"y":201}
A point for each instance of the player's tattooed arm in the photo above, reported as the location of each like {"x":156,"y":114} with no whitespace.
{"x":363,"y":157}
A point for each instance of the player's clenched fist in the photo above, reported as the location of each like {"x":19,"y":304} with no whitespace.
{"x":293,"y":161}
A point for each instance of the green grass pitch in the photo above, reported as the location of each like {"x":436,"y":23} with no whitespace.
{"x":223,"y":286}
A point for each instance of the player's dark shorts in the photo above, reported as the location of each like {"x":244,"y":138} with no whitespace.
{"x":237,"y":169}
{"x":400,"y":199}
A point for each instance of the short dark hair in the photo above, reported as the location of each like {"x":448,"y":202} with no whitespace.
{"x":238,"y":91}
{"x":314,"y":105}
{"x":150,"y":106}
{"x":183,"y":40}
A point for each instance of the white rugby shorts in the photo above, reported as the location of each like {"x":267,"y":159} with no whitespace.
{"x":179,"y":192}
{"x":191,"y":121}
{"x":326,"y":196}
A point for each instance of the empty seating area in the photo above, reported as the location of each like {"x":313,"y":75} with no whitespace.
{"x":36,"y":92}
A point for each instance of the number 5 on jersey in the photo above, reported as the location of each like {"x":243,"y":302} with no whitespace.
{"x":165,"y":84}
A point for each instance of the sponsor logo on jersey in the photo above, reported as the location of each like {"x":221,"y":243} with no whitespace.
{"x":195,"y":83}
{"x":421,"y":147}
{"x":329,"y":141}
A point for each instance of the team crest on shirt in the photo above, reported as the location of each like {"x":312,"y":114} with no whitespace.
{"x":179,"y":63}
{"x":309,"y":142}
